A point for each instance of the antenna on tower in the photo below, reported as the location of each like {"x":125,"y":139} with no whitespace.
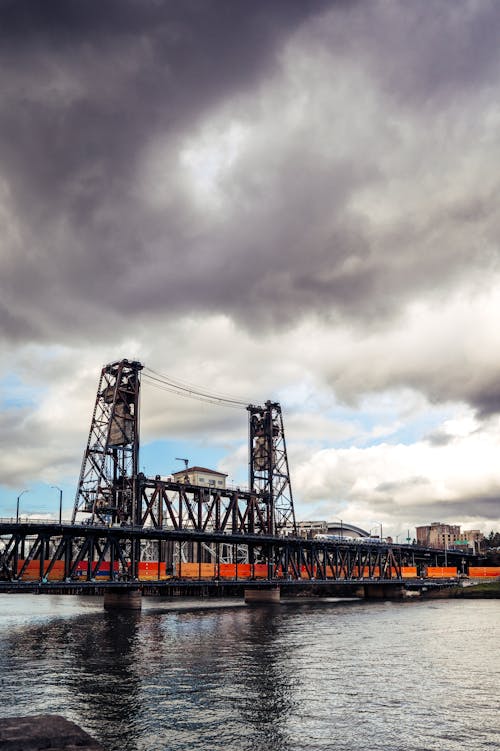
{"x":186,"y":463}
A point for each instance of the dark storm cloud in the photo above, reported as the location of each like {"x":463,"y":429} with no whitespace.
{"x":433,"y":50}
{"x":486,"y":397}
{"x":407,"y":484}
{"x":479,"y":387}
{"x":89,"y":90}
{"x":481,"y":506}
{"x":29,"y":450}
{"x":85,"y":86}
{"x":439,"y":438}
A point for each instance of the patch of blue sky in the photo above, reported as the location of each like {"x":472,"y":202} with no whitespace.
{"x":394,"y":419}
{"x":162,"y":457}
{"x":15,"y":394}
{"x":397,"y":417}
{"x":415,"y":429}
{"x":156,"y":458}
{"x":40,"y":500}
{"x":298,"y":396}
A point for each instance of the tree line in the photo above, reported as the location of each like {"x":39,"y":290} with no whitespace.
{"x":492,"y":541}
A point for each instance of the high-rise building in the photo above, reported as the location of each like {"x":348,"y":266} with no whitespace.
{"x":438,"y":535}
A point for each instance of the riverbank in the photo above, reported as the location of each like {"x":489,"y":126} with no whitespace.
{"x":489,"y":589}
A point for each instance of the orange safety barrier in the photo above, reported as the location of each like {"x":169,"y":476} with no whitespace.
{"x":366,"y":572}
{"x":196,"y":570}
{"x":227,"y":570}
{"x":152,"y":570}
{"x":223,"y":570}
{"x":477,"y":572}
{"x":147,"y":570}
{"x":260,"y":570}
{"x":103,"y":573}
{"x":441,"y":572}
{"x":244,"y":570}
{"x":409,"y":572}
{"x":32,"y":571}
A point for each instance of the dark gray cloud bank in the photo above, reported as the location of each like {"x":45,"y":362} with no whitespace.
{"x":99,"y":98}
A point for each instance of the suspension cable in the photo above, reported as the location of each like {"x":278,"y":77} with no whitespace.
{"x":185,"y":389}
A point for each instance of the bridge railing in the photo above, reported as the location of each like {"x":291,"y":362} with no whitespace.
{"x":36,"y":520}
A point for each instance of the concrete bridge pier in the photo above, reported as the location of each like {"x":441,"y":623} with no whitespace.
{"x":381,"y":592}
{"x":124,"y":599}
{"x":262,"y":595}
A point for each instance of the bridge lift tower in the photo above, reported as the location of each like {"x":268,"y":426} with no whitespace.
{"x":269,"y":474}
{"x":110,"y":485}
{"x":107,"y":487}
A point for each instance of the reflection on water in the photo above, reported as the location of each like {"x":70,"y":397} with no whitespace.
{"x":313,"y":675}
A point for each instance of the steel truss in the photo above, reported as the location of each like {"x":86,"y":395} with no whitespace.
{"x":117,"y":551}
{"x":46,"y":548}
{"x":320,"y":562}
{"x":107,"y":483}
{"x":269,"y":473}
{"x":111,"y":490}
{"x":175,"y":505}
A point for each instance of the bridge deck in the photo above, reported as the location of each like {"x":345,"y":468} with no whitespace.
{"x":71,"y":556}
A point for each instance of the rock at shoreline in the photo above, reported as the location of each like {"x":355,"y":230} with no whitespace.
{"x":37,"y":732}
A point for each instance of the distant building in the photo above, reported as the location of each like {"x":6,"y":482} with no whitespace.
{"x":445,"y":536}
{"x":312,"y":528}
{"x":208,"y":478}
{"x":474,"y":538}
{"x":438,"y":535}
{"x":344,"y":529}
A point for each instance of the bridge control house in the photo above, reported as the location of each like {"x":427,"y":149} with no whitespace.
{"x":202,"y":476}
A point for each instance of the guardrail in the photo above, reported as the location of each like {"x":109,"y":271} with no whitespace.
{"x":35,"y":520}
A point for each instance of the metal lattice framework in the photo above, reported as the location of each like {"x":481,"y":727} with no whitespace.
{"x":111,"y":490}
{"x":167,"y":504}
{"x":81,"y":553}
{"x":107,"y":484}
{"x":269,"y":473}
{"x":173,"y":525}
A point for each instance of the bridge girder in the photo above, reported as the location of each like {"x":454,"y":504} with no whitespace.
{"x":94,"y":550}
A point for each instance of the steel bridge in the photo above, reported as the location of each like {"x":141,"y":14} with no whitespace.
{"x":130,"y":531}
{"x":70,"y":557}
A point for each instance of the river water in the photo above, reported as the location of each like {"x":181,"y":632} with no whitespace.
{"x":222,"y":676}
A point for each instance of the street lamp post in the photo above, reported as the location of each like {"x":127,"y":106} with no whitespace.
{"x":56,"y":487}
{"x":380,"y":525}
{"x":341,"y":526}
{"x":17,"y":505}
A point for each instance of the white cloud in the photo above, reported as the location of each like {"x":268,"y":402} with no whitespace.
{"x":458,"y":481}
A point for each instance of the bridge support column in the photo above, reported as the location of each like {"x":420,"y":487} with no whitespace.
{"x":269,"y":595}
{"x":125,"y":599}
{"x":381,"y":592}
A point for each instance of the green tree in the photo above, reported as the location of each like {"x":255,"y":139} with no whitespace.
{"x":492,"y":541}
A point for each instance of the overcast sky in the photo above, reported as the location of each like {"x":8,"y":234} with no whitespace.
{"x":274,"y":199}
